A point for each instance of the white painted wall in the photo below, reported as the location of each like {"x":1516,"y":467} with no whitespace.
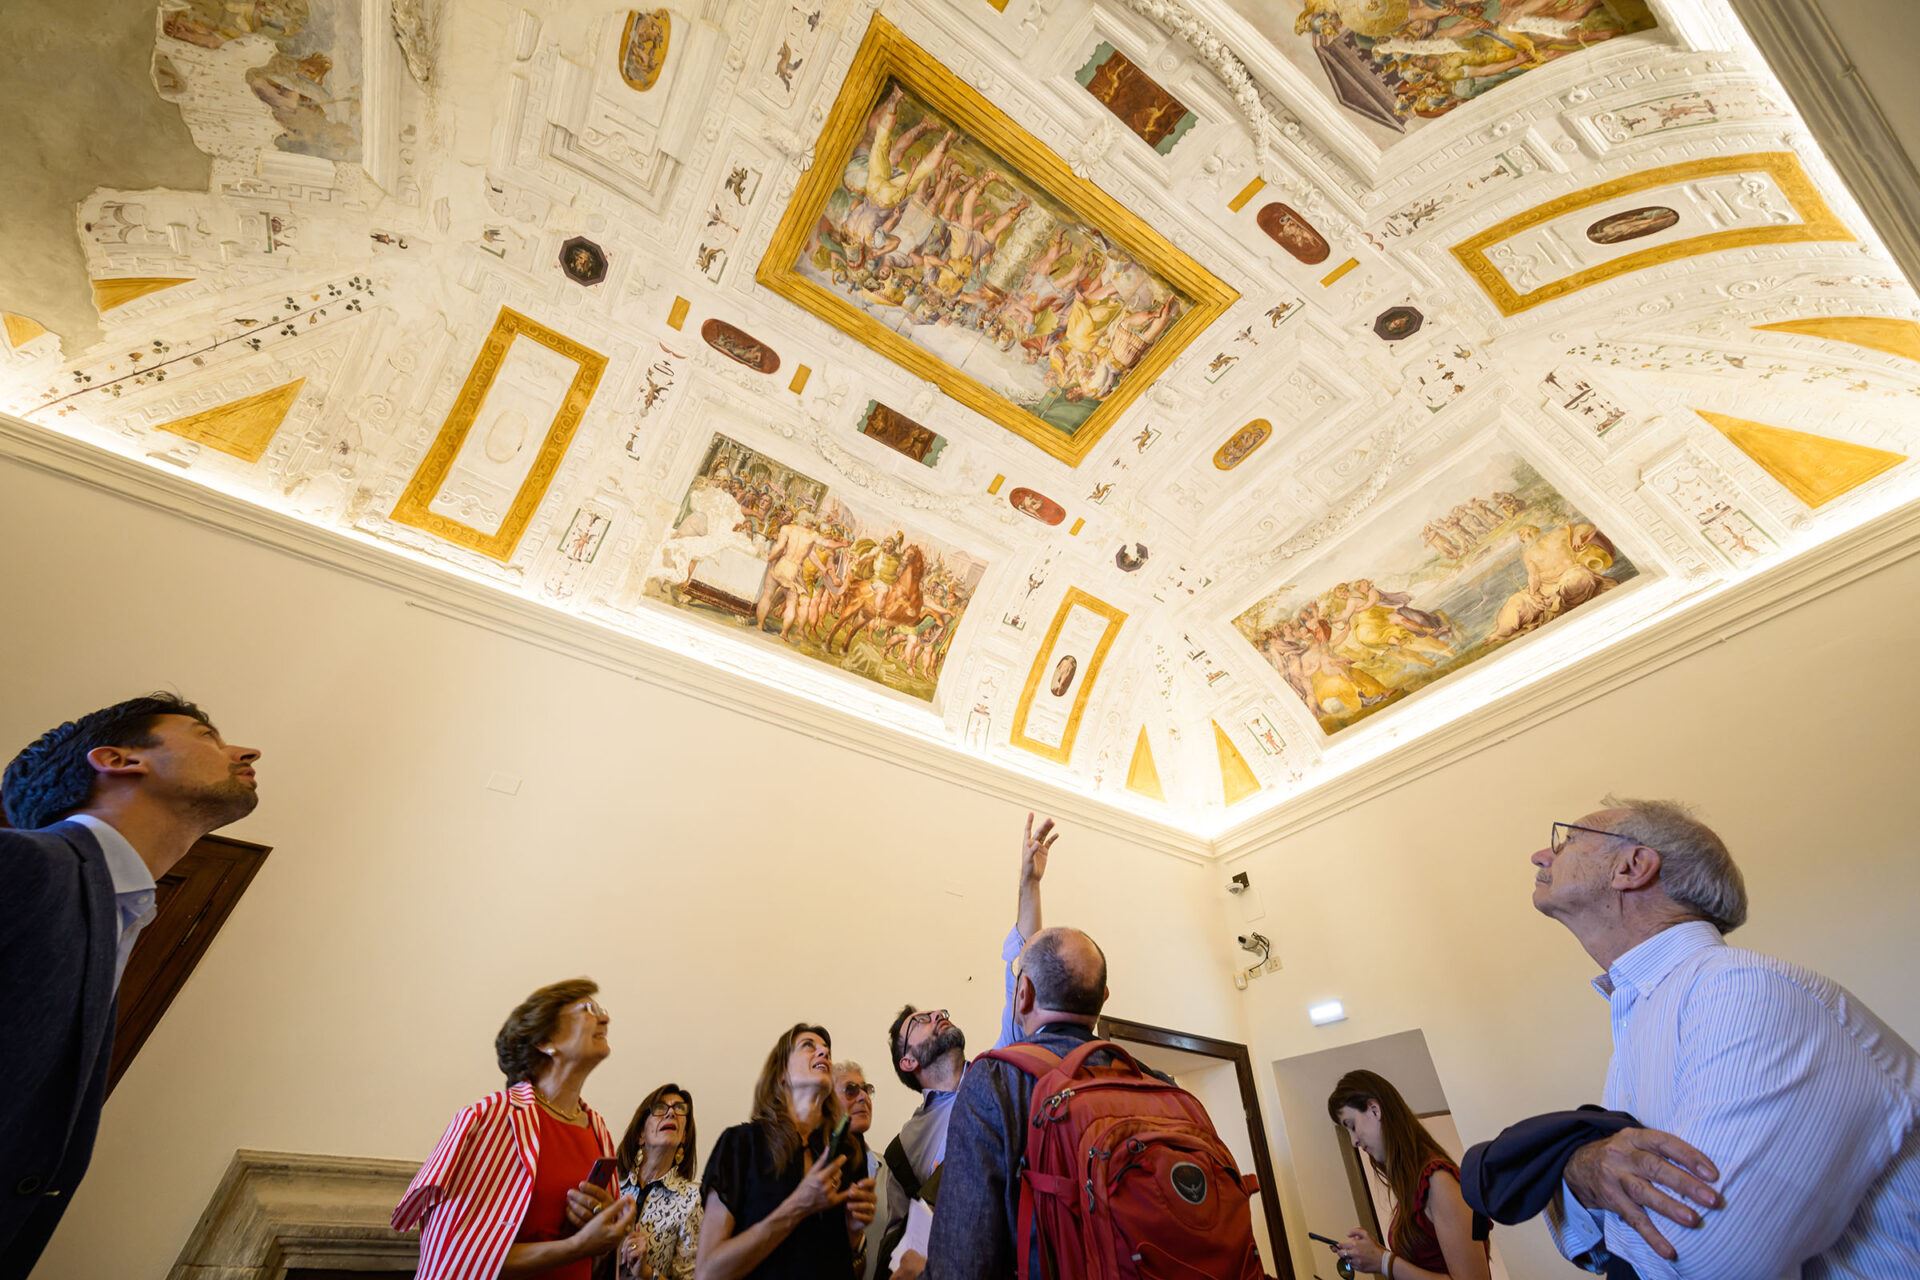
{"x":1796,"y":738}
{"x":720,"y":877}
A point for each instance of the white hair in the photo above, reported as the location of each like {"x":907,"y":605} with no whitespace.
{"x":1696,"y":870}
{"x":842,"y":1068}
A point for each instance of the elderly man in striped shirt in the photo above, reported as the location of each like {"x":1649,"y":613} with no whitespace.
{"x":1806,"y":1104}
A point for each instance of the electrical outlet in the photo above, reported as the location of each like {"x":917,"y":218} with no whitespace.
{"x":1273,"y":964}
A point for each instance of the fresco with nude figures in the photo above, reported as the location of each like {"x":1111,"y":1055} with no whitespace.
{"x":777,"y":552}
{"x":946,"y":243}
{"x":1397,"y":64}
{"x":1485,"y":552}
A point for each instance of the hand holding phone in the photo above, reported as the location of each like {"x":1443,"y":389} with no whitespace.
{"x":837,"y":1145}
{"x":603,"y":1173}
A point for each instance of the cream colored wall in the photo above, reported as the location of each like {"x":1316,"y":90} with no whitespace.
{"x":720,"y":877}
{"x":1796,"y":738}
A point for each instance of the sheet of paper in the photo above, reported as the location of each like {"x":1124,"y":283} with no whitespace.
{"x":919,"y":1227}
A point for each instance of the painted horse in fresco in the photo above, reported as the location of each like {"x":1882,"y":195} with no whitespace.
{"x":901,"y":605}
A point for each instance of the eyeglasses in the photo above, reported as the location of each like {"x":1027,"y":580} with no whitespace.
{"x":661,"y":1110}
{"x":930,"y":1017}
{"x":589,"y":1007}
{"x":1563,"y":832}
{"x":851,"y":1091}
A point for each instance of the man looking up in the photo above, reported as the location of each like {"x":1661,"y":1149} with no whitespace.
{"x":930,"y":1055}
{"x":104,"y":805}
{"x":1061,"y":988}
{"x":1807,"y":1105}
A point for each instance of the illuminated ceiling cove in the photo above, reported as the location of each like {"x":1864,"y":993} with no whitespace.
{"x":1182,"y":403}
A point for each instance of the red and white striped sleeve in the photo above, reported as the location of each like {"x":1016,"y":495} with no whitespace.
{"x":429,"y":1186}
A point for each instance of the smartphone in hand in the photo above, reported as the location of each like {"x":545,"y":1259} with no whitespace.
{"x":603,"y":1174}
{"x":837,"y":1145}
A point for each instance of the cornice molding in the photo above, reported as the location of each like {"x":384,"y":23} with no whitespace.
{"x":492,"y":609}
{"x":1800,"y":45}
{"x":1796,"y":582}
{"x":1791,"y":584}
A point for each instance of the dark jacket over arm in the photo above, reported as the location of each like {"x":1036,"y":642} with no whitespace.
{"x":58,"y":936}
{"x":1518,"y":1174}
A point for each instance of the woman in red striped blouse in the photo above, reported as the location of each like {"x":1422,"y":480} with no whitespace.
{"x":506,"y":1193}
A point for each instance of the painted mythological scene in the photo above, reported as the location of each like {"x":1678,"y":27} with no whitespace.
{"x":1399,"y":63}
{"x":306,"y":68}
{"x":767,"y":547}
{"x":940,"y":239}
{"x":1481,"y":555}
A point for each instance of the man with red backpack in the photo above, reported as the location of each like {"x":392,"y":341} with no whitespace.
{"x":1119,"y":1177}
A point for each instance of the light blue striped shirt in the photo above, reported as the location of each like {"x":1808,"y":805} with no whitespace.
{"x":1806,"y":1102}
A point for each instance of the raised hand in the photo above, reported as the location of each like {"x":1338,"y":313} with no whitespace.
{"x":820,"y":1189}
{"x":1623,"y":1175}
{"x":1035,"y":848}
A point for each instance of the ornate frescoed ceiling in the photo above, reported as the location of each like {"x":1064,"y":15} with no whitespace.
{"x":1181,"y":401}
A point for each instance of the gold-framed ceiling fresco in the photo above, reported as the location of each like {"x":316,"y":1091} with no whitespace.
{"x":1398,"y":65}
{"x":1481,"y":554}
{"x":765,"y":547}
{"x":934,"y":230}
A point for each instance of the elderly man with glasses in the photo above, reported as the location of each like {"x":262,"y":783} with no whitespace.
{"x":930,"y":1056}
{"x":1805,"y":1105}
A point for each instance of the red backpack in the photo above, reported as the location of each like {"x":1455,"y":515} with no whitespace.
{"x":1124,"y":1176}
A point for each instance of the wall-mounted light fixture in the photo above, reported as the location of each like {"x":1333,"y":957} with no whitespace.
{"x":1329,"y":1011}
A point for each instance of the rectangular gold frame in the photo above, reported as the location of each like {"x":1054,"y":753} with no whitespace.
{"x":1063,"y":754}
{"x":1818,"y":222}
{"x":886,"y":54}
{"x":413,"y":509}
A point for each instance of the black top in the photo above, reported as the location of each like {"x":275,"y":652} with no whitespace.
{"x":740,"y":1171}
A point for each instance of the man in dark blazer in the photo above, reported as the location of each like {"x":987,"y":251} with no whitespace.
{"x":103,"y":806}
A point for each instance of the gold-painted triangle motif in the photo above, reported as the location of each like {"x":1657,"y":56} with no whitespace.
{"x":241,"y":427}
{"x":1877,"y":333}
{"x":1236,"y":776}
{"x":1143,"y":776}
{"x":118,"y":292}
{"x":20,"y":329}
{"x":1815,"y":469}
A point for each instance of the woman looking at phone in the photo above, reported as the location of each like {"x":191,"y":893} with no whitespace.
{"x":656,"y":1170}
{"x":778,"y":1202}
{"x":1431,"y":1235}
{"x":488,"y":1212}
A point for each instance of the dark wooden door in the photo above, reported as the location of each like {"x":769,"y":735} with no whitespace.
{"x":194,"y":900}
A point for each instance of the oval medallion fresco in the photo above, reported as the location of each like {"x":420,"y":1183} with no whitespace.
{"x":1631,"y":225}
{"x":1241,"y":444}
{"x":1037,"y":505}
{"x":643,"y":48}
{"x":1294,"y":234}
{"x":736,"y":345}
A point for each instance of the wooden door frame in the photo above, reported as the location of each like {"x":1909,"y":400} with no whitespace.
{"x":1111,"y":1028}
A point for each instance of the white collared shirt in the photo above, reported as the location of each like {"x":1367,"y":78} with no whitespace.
{"x":1807,"y":1103}
{"x":133,"y":887}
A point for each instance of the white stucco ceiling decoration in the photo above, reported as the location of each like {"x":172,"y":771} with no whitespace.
{"x":1210,"y":397}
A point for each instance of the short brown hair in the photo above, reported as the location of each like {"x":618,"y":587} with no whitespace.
{"x":517,"y":1046}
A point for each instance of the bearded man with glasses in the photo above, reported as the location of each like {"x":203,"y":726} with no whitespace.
{"x":930,"y":1056}
{"x":1729,"y":1068}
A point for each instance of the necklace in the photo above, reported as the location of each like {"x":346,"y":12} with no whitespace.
{"x":571,"y":1117}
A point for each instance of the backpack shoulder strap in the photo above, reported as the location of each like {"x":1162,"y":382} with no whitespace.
{"x":1031,"y":1059}
{"x":900,"y":1169}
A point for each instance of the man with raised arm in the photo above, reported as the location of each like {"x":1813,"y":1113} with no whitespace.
{"x":930,"y":1055}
